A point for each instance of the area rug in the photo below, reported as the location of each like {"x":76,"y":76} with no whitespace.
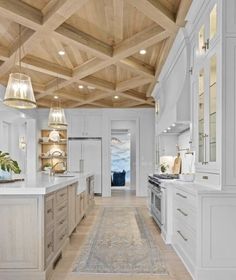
{"x":122,"y":243}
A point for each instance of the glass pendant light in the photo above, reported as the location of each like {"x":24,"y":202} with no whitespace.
{"x":57,"y":118}
{"x":19,"y":92}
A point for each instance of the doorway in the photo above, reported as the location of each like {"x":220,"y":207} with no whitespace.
{"x":123,"y":157}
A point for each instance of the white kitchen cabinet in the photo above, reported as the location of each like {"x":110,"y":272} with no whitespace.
{"x":208,"y":30}
{"x":83,"y":125}
{"x":204,"y":227}
{"x":207,"y":100}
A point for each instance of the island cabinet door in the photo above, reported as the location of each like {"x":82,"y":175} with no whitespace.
{"x":19,"y":233}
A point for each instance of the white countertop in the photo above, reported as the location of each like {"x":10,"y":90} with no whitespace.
{"x":192,"y":187}
{"x":40,"y":184}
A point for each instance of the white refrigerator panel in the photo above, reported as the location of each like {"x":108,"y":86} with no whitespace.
{"x":91,"y":152}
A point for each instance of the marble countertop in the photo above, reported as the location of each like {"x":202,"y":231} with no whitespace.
{"x":41,"y":184}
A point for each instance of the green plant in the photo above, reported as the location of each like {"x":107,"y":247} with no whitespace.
{"x":164,"y":167}
{"x":47,"y":165}
{"x":8,"y":164}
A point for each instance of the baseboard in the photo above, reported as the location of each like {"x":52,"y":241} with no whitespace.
{"x":216,"y":274}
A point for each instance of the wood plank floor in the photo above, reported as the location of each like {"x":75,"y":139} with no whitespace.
{"x":63,"y":270}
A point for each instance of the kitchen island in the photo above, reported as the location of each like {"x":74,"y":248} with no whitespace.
{"x":38,"y":216}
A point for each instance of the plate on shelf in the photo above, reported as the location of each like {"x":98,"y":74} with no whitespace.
{"x":54,"y":136}
{"x":56,"y":152}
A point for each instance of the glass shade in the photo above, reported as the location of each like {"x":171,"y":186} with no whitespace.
{"x":57,"y":118}
{"x":19,"y":92}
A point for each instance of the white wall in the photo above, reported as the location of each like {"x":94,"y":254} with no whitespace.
{"x":13,"y":125}
{"x":144,"y":119}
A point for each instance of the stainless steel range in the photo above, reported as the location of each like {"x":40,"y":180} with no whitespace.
{"x":156,"y":196}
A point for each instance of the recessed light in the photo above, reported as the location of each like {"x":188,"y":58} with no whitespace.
{"x":116,"y":97}
{"x":169,"y":128}
{"x":81,"y":86}
{"x":173,"y":124}
{"x":91,"y":87}
{"x":165,"y":131}
{"x":55,"y":97}
{"x":61,"y":52}
{"x":143,"y":51}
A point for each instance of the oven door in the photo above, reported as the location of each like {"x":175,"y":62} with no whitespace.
{"x":156,"y":206}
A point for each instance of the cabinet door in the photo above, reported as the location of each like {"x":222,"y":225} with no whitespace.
{"x":208,"y":30}
{"x":76,"y":126}
{"x":93,"y":126}
{"x":208,"y":112}
{"x":71,"y":208}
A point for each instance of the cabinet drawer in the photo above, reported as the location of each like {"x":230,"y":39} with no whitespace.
{"x":49,"y":210}
{"x":61,"y":195}
{"x":61,"y":210}
{"x":185,"y":238}
{"x":49,"y":246}
{"x":212,"y":179}
{"x":61,"y":236}
{"x":61,"y":222}
{"x":185,"y":213}
{"x":183,"y":197}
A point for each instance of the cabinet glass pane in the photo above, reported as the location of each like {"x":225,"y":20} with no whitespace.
{"x":213,"y":22}
{"x":212,"y":109}
{"x":201,"y":39}
{"x":201,"y":96}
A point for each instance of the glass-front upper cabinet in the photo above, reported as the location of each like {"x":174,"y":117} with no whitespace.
{"x":208,"y":30}
{"x":207,"y":111}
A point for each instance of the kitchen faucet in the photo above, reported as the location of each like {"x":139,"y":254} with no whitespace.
{"x":52,"y":170}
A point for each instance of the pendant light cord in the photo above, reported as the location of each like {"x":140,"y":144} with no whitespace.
{"x":20,"y":47}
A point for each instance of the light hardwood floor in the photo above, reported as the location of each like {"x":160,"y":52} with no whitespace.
{"x":63,"y":270}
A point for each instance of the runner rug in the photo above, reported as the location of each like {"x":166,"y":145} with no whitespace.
{"x":121,"y":242}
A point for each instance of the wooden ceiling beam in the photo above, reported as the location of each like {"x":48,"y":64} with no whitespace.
{"x":155,"y":10}
{"x":20,"y":12}
{"x":133,"y":96}
{"x":132,"y":83}
{"x":144,"y":39}
{"x":136,"y":66}
{"x":91,"y":100}
{"x":46,"y":67}
{"x":182,"y":11}
{"x":55,"y":17}
{"x":84,"y":41}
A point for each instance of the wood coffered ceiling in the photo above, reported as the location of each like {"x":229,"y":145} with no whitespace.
{"x":101,"y":40}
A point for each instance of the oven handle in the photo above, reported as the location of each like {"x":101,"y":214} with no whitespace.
{"x":159,"y":194}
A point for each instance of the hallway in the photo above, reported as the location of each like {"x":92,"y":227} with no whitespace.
{"x":175,"y":270}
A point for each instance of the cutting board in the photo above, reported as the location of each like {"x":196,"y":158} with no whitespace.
{"x":177,"y":165}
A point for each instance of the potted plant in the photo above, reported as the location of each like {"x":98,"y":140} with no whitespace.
{"x":164,"y":167}
{"x":7,"y":164}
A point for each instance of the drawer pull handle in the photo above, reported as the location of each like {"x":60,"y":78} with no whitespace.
{"x":183,"y":196}
{"x":182,"y":212}
{"x":205,"y":177}
{"x":50,"y":245}
{"x":49,"y":211}
{"x":62,"y":222}
{"x":180,"y":233}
